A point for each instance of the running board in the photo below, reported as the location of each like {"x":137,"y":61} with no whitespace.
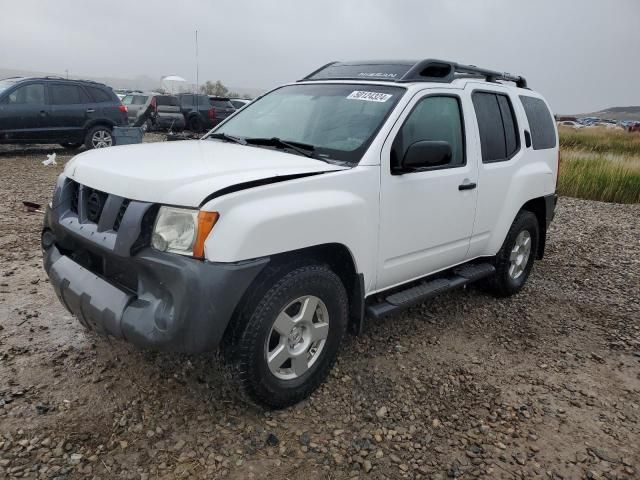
{"x":458,"y":277}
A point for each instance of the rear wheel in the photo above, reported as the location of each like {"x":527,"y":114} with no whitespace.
{"x":515,"y":259}
{"x":195,"y":124}
{"x":98,"y":137}
{"x":286,"y":338}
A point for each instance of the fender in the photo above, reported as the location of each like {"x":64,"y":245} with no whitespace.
{"x":336,"y":207}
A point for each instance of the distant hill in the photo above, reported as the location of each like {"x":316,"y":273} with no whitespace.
{"x":616,"y":113}
{"x":141,"y":82}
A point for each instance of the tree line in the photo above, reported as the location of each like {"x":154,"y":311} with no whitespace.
{"x":218,"y":89}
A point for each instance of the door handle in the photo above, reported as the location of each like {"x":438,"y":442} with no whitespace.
{"x":43,"y":113}
{"x":90,"y":110}
{"x":467,"y":186}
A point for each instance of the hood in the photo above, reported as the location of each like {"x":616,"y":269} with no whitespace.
{"x":184,"y":172}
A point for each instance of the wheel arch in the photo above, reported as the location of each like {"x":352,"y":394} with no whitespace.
{"x":538,"y":206}
{"x":339,"y":259}
{"x":98,"y":122}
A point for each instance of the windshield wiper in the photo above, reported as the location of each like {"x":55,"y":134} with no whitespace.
{"x":301,"y":148}
{"x":229,"y":138}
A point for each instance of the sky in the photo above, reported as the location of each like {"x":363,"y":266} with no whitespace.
{"x":581,"y":55}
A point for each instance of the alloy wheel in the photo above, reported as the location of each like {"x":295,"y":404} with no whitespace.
{"x":297,"y":337}
{"x":519,"y":256}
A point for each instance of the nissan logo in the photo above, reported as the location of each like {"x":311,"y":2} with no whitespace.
{"x":94,"y":207}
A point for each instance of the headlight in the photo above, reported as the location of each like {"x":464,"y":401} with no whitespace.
{"x":182,"y":230}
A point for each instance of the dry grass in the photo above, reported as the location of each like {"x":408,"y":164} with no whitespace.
{"x":600,"y":164}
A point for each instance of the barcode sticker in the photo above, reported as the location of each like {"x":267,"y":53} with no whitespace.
{"x":369,"y":96}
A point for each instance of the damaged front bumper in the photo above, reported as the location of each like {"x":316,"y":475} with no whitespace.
{"x":149,"y":298}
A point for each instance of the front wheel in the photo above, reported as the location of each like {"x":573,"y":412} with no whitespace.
{"x":515,"y":259}
{"x":285,"y":340}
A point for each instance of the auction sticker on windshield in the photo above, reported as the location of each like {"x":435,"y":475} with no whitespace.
{"x":369,"y":96}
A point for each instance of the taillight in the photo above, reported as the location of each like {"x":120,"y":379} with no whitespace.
{"x":154,"y":103}
{"x":212,"y":114}
{"x":123,"y":108}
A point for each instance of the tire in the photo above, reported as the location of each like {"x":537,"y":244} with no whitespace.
{"x":309,"y":302}
{"x":195,"y":124}
{"x":72,"y":145}
{"x":99,"y":136}
{"x":513,"y":267}
{"x":148,"y":125}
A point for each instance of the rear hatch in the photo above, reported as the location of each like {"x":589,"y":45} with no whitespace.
{"x":222,"y":106}
{"x":167,"y":104}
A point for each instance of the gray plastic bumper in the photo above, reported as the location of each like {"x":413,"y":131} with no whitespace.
{"x":149,"y":298}
{"x":181,"y":304}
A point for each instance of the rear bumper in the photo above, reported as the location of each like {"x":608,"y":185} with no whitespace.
{"x":152,"y":299}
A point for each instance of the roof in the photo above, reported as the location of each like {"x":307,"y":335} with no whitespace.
{"x":408,"y":71}
{"x":53,"y":77}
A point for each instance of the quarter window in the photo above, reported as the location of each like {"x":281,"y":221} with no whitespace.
{"x":434,"y":118}
{"x":68,"y":95}
{"x":499,"y":138}
{"x":99,"y":95}
{"x":543,"y":135}
{"x":32,"y":94}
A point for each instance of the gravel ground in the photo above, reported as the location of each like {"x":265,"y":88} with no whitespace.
{"x":545,"y":384}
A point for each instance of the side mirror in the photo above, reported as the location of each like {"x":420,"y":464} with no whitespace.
{"x":425,"y":154}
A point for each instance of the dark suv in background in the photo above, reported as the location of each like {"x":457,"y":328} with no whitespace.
{"x":55,"y":110}
{"x":203,"y":111}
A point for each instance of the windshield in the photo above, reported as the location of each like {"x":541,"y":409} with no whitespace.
{"x":338,"y":120}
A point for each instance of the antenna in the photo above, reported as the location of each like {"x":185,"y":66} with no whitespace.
{"x":197,"y":92}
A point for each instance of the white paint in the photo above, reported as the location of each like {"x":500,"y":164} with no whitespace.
{"x":397,"y":228}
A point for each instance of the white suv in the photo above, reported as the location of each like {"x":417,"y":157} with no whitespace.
{"x":358,"y":191}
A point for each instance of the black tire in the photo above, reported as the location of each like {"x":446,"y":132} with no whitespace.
{"x":195,"y":124}
{"x":244,"y":348}
{"x":502,"y":283}
{"x":72,"y":145}
{"x":88,"y":139}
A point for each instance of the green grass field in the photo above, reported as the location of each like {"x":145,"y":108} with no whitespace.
{"x":600,"y":164}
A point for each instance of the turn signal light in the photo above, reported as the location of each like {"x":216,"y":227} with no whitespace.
{"x":206,"y":221}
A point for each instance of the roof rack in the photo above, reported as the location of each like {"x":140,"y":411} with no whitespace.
{"x":429,"y":70}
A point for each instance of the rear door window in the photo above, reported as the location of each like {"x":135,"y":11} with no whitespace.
{"x":67,"y":95}
{"x":187,"y":100}
{"x":543,"y":134}
{"x":32,"y":94}
{"x":167,"y":100}
{"x":499,"y":138}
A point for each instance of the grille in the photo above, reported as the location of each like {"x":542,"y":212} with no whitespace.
{"x":75,"y":197}
{"x":120,"y":216}
{"x":92,"y":203}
